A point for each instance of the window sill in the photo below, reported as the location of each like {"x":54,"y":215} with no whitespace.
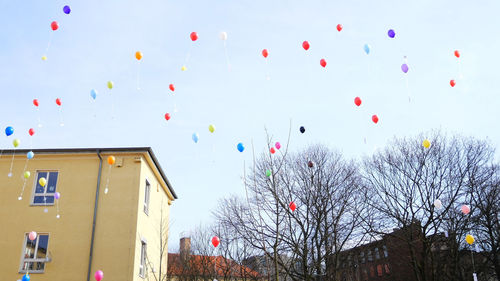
{"x":41,"y":205}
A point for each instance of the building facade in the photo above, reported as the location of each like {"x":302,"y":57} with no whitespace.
{"x":106,"y":217}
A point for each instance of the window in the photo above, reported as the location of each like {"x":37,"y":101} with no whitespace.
{"x":369,"y":255}
{"x":365,"y":274}
{"x":44,"y":195}
{"x":372,"y":271}
{"x":377,"y":254}
{"x":34,"y":254}
{"x":379,"y":270}
{"x":362,"y":257}
{"x":385,"y":251}
{"x":387,"y":268}
{"x":142,"y":266}
{"x":147,"y":191}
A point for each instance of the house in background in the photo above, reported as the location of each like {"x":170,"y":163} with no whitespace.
{"x":187,"y":267}
{"x":106,"y":218}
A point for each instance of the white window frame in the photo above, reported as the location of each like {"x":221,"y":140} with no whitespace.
{"x":142,"y":264}
{"x":33,"y":260}
{"x":147,"y":193}
{"x":45,"y":194}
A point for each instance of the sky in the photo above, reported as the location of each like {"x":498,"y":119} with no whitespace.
{"x":230,"y":85}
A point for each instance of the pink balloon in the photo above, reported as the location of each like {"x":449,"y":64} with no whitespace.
{"x":278,"y":145}
{"x":465,"y":209}
{"x":98,"y":275}
{"x":32,"y":236}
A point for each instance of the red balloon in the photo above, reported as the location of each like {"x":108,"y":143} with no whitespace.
{"x":357,"y":101}
{"x":322,"y":62}
{"x":54,"y":25}
{"x":167,"y":116}
{"x":171,"y":87}
{"x":272,"y":150}
{"x":35,"y":102}
{"x":215,"y":241}
{"x":452,"y":83}
{"x":292,"y":206}
{"x":310,"y":164}
{"x":375,"y":119}
{"x":31,"y":131}
{"x":265,"y":53}
{"x":58,"y":101}
{"x":305,"y":45}
{"x":194,"y":36}
{"x":457,"y":53}
{"x":339,"y":27}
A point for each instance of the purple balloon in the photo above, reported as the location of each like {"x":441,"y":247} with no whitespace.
{"x":404,"y":67}
{"x":391,"y":33}
{"x":57,"y":195}
{"x":66,"y":10}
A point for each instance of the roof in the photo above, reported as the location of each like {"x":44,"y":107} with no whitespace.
{"x":204,"y":266}
{"x":95,"y":150}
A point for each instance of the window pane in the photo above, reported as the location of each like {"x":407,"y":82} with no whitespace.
{"x":29,"y":251}
{"x":43,"y":199}
{"x":51,"y":185}
{"x":385,"y":251}
{"x":386,"y":268}
{"x":379,"y":270}
{"x":39,"y":188}
{"x":43,"y":241}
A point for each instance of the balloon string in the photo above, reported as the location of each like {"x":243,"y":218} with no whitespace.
{"x":460,"y":75}
{"x":25,"y":179}
{"x":48,"y":44}
{"x":268,"y":76}
{"x":11,"y":165}
{"x":227,"y":57}
{"x":138,"y":71}
{"x":38,"y":116}
{"x":61,"y":123}
{"x":408,"y":88}
{"x":107,"y":180}
{"x":57,"y":208}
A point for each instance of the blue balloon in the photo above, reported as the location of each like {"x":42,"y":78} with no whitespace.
{"x":26,"y":277}
{"x":240,"y":147}
{"x":391,"y":33}
{"x":195,"y":137}
{"x":367,"y":49}
{"x":30,"y":155}
{"x":66,"y":10}
{"x":9,"y":131}
{"x":93,"y":93}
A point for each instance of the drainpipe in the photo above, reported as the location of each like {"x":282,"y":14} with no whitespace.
{"x":95,"y":213}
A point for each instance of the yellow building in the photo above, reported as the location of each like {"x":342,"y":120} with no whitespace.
{"x":108,"y":217}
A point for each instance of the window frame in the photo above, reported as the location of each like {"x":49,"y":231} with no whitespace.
{"x":33,"y":260}
{"x":147,"y":195}
{"x":377,"y":253}
{"x":45,"y":194}
{"x":142,"y":263}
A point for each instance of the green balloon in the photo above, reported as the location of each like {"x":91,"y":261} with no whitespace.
{"x":268,"y":173}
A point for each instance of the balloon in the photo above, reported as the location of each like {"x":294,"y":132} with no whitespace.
{"x":391,"y":33}
{"x":426,"y":143}
{"x":195,"y":137}
{"x":58,"y":101}
{"x":194,"y":36}
{"x":305,"y":45}
{"x":32,"y":235}
{"x":452,"y":83}
{"x":27,"y":174}
{"x":57,"y":195}
{"x":404,"y":68}
{"x":30,"y":155}
{"x":16,"y":142}
{"x":9,"y":131}
{"x":138,"y":55}
{"x":110,"y":85}
{"x":375,"y":119}
{"x":292,"y":206}
{"x":42,"y":182}
{"x":339,"y":27}
{"x":322,"y":62}
{"x":366,"y":47}
{"x":111,"y":160}
{"x":277,"y":145}
{"x":438,"y":204}
{"x":26,"y":277}
{"x":211,"y":128}
{"x":465,"y":209}
{"x":310,"y":164}
{"x":54,"y":25}
{"x":223,"y":36}
{"x":167,"y":116}
{"x":469,"y":239}
{"x":215,"y":241}
{"x":272,"y":150}
{"x":265,"y":53}
{"x":171,"y":87}
{"x":357,"y":101}
{"x":302,"y":129}
{"x":268,"y":173}
{"x":183,"y":68}
{"x":35,"y":102}
{"x":44,"y":58}
{"x":93,"y":93}
{"x":457,"y":53}
{"x":240,"y":147}
{"x":66,"y":10}
{"x":98,"y":275}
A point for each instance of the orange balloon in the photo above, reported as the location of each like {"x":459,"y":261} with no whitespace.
{"x":111,"y":160}
{"x":138,"y":55}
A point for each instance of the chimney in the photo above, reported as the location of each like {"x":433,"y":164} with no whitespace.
{"x":185,"y":248}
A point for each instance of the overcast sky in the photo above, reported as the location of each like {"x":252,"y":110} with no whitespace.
{"x":97,"y":41}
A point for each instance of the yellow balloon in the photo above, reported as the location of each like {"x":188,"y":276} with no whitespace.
{"x":211,"y":128}
{"x":469,"y":239}
{"x":42,"y":182}
{"x":27,"y":174}
{"x":44,"y":57}
{"x":16,"y":142}
{"x":110,"y":85}
{"x":426,"y":143}
{"x":183,"y":68}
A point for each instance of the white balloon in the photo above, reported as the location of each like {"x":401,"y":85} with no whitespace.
{"x":438,"y":204}
{"x":223,"y":35}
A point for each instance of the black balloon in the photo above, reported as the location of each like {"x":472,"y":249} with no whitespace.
{"x":302,"y":129}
